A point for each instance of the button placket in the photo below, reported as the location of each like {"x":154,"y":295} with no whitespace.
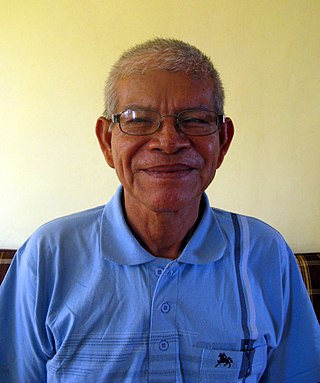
{"x":163,"y":332}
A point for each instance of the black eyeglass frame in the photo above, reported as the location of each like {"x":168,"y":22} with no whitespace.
{"x":115,"y":118}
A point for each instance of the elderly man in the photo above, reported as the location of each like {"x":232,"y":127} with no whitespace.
{"x":157,"y":286}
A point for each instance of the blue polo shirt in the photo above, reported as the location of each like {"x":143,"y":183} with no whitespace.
{"x":84,"y":302}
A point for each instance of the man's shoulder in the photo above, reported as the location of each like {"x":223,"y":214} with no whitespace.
{"x":254,"y":235}
{"x":256,"y":227}
{"x":69,"y":226}
{"x":74,"y":219}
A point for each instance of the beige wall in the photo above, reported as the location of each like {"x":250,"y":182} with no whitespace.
{"x":55,"y":56}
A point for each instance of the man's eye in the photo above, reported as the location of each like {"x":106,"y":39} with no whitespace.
{"x":137,"y":124}
{"x":193,"y":121}
{"x":140,"y":120}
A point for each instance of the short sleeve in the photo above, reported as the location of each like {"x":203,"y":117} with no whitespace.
{"x":25,"y":344}
{"x":296,"y":357}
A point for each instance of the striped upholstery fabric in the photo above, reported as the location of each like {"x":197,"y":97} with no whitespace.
{"x":309,"y":264}
{"x":310,"y":269}
{"x":5,"y":260}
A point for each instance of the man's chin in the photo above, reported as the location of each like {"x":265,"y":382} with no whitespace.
{"x":166,"y":197}
{"x":169,"y":202}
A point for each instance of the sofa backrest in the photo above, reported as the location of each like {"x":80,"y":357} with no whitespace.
{"x":6,"y":257}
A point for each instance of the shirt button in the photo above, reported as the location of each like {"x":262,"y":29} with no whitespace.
{"x":165,"y":307}
{"x":163,"y":345}
{"x":158,"y":271}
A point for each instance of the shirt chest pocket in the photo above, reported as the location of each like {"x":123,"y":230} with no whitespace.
{"x":227,"y":366}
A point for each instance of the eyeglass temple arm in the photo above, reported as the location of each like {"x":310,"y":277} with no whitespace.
{"x":221,"y":119}
{"x":115,"y":118}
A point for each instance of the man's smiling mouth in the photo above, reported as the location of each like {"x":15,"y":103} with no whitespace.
{"x":169,"y":171}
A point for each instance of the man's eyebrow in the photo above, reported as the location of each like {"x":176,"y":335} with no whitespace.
{"x":137,"y":106}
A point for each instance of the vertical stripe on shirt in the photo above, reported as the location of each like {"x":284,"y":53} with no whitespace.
{"x":241,"y":253}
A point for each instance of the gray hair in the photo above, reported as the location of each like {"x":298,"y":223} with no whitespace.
{"x":162,"y":54}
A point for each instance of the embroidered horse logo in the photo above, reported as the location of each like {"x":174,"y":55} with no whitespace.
{"x":224,"y":359}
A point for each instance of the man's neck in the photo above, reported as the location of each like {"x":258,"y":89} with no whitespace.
{"x":163,"y":234}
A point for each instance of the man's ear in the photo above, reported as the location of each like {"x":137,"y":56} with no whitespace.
{"x":225,"y":135}
{"x":104,"y":137}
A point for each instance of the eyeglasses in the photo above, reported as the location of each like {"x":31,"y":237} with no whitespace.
{"x":192,"y":122}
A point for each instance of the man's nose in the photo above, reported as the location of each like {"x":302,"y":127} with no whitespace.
{"x":168,"y":137}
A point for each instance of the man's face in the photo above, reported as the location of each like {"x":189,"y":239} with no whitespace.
{"x":166,"y":171}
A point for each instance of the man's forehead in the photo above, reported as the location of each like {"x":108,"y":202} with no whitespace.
{"x":150,"y":89}
{"x":144,"y":74}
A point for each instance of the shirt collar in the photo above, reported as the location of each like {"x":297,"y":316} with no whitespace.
{"x":119,"y":245}
{"x":208,"y":243}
